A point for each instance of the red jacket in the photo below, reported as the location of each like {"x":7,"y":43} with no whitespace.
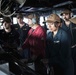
{"x":36,"y":41}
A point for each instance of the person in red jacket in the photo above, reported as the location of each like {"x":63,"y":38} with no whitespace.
{"x":36,"y":41}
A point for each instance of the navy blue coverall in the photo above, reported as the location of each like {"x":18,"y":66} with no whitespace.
{"x":59,"y":53}
{"x":71,"y":30}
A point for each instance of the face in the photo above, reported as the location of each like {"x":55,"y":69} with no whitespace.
{"x":66,"y":16}
{"x":19,"y":20}
{"x":6,"y":25}
{"x":30,"y":23}
{"x":52,"y":27}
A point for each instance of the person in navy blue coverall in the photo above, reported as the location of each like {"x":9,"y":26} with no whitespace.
{"x":9,"y":38}
{"x":58,"y":47}
{"x":69,"y":27}
{"x":22,"y":29}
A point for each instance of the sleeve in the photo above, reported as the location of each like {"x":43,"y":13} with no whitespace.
{"x":47,"y":50}
{"x":1,"y":37}
{"x":65,"y":51}
{"x":16,"y":40}
{"x":47,"y":45}
{"x":26,"y":42}
{"x":40,"y":39}
{"x":40,"y":42}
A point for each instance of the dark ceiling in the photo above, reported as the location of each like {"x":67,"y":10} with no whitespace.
{"x":46,"y":5}
{"x":36,"y":5}
{"x":43,"y":3}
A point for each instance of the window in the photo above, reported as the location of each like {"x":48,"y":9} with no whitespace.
{"x":14,"y":20}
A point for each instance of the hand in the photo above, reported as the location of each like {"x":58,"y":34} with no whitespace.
{"x":33,"y":57}
{"x":73,"y":46}
{"x":19,"y":48}
{"x":5,"y":45}
{"x":45,"y":61}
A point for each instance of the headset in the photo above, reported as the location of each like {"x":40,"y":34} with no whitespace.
{"x":35,"y":19}
{"x":72,"y":14}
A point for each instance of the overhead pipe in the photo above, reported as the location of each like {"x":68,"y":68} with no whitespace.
{"x":21,"y":2}
{"x":62,"y":4}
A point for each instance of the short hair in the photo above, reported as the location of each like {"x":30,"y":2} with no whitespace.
{"x":7,"y":19}
{"x":34,"y":17}
{"x":20,"y":15}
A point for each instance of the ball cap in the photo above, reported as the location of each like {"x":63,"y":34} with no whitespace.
{"x":66,"y":11}
{"x":73,"y":20}
{"x":53,"y":18}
